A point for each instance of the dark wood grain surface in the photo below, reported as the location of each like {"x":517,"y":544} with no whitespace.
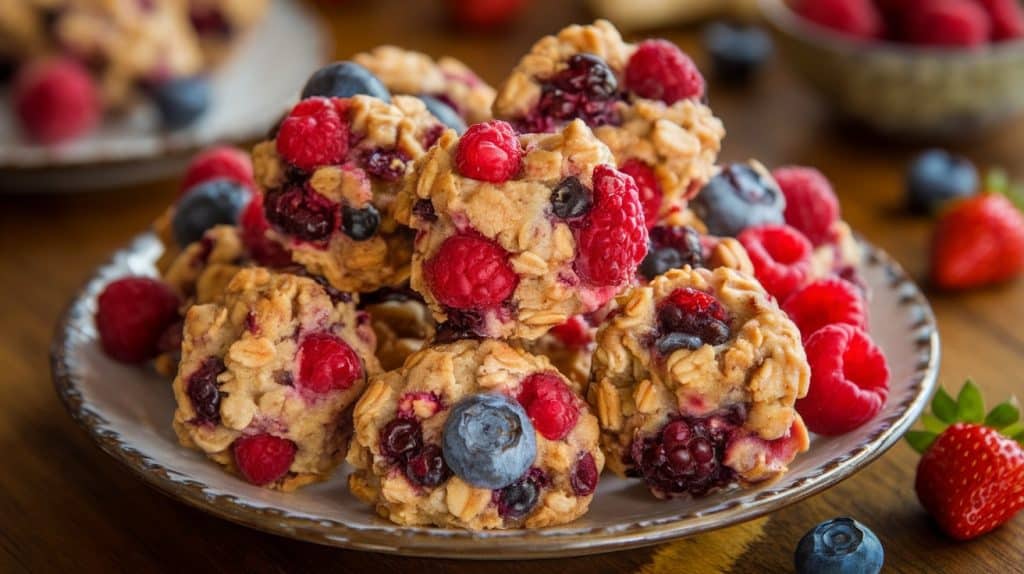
{"x":66,"y":507}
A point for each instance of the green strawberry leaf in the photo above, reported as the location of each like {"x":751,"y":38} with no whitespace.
{"x":921,"y":441}
{"x":1014,"y":431}
{"x":970,"y":406}
{"x":933,"y":424}
{"x":1003,"y":415}
{"x":1016,"y":195}
{"x":997,"y":181}
{"x":944,"y":406}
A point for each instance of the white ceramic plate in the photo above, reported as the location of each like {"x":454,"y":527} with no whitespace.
{"x":250,"y":92}
{"x":128,"y":411}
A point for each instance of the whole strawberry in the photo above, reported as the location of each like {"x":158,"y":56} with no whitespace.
{"x":971,"y":475}
{"x":979,"y":241}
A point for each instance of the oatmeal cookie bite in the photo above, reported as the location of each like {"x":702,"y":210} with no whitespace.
{"x":267,"y":376}
{"x":478,"y":435}
{"x":515,"y":234}
{"x":642,"y":100}
{"x":694,"y":382}
{"x":446,"y":85}
{"x":221,"y":24}
{"x":331,"y":175}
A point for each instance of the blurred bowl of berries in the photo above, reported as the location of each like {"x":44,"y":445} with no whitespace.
{"x":917,"y":69}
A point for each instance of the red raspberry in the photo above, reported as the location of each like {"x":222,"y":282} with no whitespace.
{"x":489,"y":152}
{"x":659,"y":70}
{"x":254,"y":226}
{"x":550,"y":403}
{"x":131,"y":315}
{"x":222,"y":162}
{"x":811,"y":205}
{"x":948,"y":23}
{"x":55,"y":100}
{"x":477,"y":14}
{"x":695,"y":303}
{"x":263,"y":458}
{"x":314,"y":134}
{"x":575,"y":333}
{"x":849,"y":380}
{"x":781,"y":256}
{"x":825,"y":302}
{"x":327,"y":363}
{"x":470,"y":272}
{"x":613,"y":239}
{"x":1007,"y":17}
{"x":856,"y":18}
{"x":648,"y":187}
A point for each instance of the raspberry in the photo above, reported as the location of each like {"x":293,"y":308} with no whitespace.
{"x":948,"y":23}
{"x":327,"y":363}
{"x":55,"y":100}
{"x":574,"y":333}
{"x":648,"y":187}
{"x":849,"y":380}
{"x":131,"y":315}
{"x":222,"y":162}
{"x":483,"y":15}
{"x":825,"y":302}
{"x":263,"y":458}
{"x":781,"y":256}
{"x":470,"y":272}
{"x":584,"y":475}
{"x":253,"y":226}
{"x":856,"y":18}
{"x":550,"y":404}
{"x":1007,"y":17}
{"x":659,"y":70}
{"x":314,"y":134}
{"x":489,"y":152}
{"x":811,"y":205}
{"x":613,"y":238}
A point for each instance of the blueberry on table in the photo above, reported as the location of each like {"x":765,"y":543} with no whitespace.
{"x":737,"y":52}
{"x":344,"y":80}
{"x":219,"y":201}
{"x":739,"y":197}
{"x":488,"y":441}
{"x":182,"y":101}
{"x":444,"y":113}
{"x":937,"y":176}
{"x":839,"y":546}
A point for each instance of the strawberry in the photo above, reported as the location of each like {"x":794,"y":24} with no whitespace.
{"x":979,"y":241}
{"x":971,"y":475}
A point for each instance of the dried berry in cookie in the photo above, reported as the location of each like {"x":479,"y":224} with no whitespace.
{"x":268,"y":375}
{"x":738,"y":197}
{"x":558,"y":234}
{"x":475,"y":434}
{"x":694,"y":381}
{"x":672,"y":248}
{"x":132,"y":314}
{"x":254,"y":227}
{"x":781,"y":256}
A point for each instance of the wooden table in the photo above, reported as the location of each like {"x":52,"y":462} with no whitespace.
{"x":66,"y":507}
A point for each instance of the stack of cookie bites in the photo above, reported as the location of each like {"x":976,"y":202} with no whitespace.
{"x":481,"y":314}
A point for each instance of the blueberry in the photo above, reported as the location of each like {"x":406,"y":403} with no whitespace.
{"x":672,"y":342}
{"x":659,"y":261}
{"x":344,"y":80}
{"x":740,"y":196}
{"x":570,"y":198}
{"x":181,"y":101}
{"x":489,"y":441}
{"x":360,"y":224}
{"x":444,"y":113}
{"x":839,"y":546}
{"x":737,"y":52}
{"x":219,"y":201}
{"x":936,"y":176}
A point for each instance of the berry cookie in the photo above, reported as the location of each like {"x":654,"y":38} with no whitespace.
{"x":515,"y":234}
{"x":569,"y":347}
{"x":694,"y":382}
{"x":478,"y":435}
{"x":445,"y":85}
{"x":402,"y":325}
{"x":220,"y":24}
{"x":642,"y":100}
{"x":268,"y":374}
{"x":331,"y":175}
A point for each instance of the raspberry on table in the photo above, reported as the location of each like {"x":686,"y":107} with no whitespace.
{"x":849,"y":380}
{"x":613,"y":239}
{"x":263,"y":458}
{"x":470,"y":272}
{"x":659,"y":70}
{"x":220,"y":162}
{"x":811,"y":204}
{"x":315,"y":133}
{"x":327,"y":363}
{"x":648,"y":187}
{"x":132,"y":314}
{"x":550,"y":404}
{"x":489,"y":152}
{"x":855,"y":18}
{"x":55,"y":100}
{"x":781,"y":256}
{"x":948,"y":23}
{"x":826,"y":302}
